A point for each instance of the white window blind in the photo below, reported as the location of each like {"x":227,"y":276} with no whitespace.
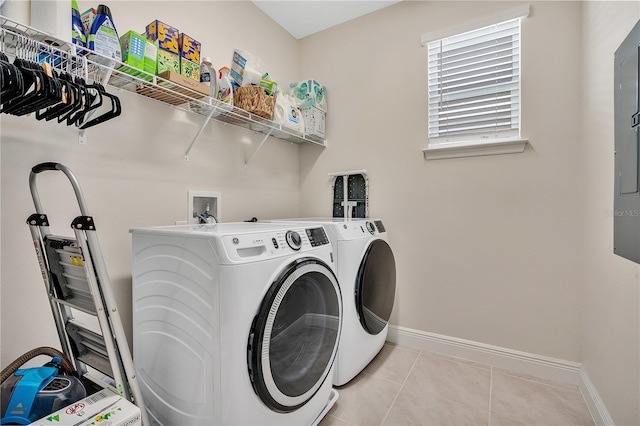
{"x":474,"y":85}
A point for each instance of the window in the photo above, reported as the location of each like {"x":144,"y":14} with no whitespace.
{"x":474,"y":89}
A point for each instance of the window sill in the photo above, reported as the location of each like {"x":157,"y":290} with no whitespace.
{"x":477,"y":149}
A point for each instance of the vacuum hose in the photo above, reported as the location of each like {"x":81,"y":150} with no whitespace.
{"x":43,"y":350}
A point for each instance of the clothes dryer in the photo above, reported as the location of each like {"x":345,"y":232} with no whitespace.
{"x":366,"y":273}
{"x":235,"y":323}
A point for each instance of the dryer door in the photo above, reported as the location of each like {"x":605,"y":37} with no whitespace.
{"x":376,"y":286}
{"x":294,"y":337}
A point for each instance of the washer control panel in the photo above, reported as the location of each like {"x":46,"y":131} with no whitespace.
{"x":317,"y":236}
{"x":293,"y":240}
{"x":370,"y":227}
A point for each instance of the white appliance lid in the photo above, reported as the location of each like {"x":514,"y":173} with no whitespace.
{"x":210,"y":229}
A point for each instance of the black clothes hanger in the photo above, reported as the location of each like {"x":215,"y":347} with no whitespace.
{"x":28,"y":87}
{"x":113,"y":112}
{"x":81,"y":100}
{"x":93,"y":100}
{"x":70,"y":97}
{"x":42,"y":89}
{"x":11,"y":80}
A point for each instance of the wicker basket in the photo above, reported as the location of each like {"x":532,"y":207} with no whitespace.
{"x":255,"y":100}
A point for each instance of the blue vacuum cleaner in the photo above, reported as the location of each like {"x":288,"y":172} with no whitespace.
{"x":29,"y":394}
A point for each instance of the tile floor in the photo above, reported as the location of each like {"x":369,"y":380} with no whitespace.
{"x":406,"y":386}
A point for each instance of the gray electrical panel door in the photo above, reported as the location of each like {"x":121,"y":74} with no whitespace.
{"x":626,"y":206}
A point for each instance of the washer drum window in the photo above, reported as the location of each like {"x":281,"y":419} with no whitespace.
{"x":376,"y":287}
{"x":294,"y":337}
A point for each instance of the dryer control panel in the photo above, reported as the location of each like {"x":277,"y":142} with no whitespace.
{"x":317,"y":236}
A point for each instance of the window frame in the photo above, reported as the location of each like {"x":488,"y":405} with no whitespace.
{"x":475,"y":146}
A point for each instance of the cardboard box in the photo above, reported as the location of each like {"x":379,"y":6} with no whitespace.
{"x":190,"y":69}
{"x":314,"y":123}
{"x":308,"y":93}
{"x":186,"y":82}
{"x":87,"y":19}
{"x":165,"y":36}
{"x":167,"y":61}
{"x":140,"y":53}
{"x":150,"y":57}
{"x":189,"y":48}
{"x":269,"y":86}
{"x":133,"y":54}
{"x":100,"y":408}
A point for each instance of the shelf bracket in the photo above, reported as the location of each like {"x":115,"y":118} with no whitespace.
{"x":246,"y":163}
{"x":82,"y":136}
{"x":195,"y":138}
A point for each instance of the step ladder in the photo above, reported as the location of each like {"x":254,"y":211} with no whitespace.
{"x":84,"y":308}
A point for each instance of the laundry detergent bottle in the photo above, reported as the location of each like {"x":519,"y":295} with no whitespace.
{"x":78,"y":37}
{"x":103,"y":37}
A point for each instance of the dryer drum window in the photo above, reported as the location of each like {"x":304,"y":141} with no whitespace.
{"x":294,"y":337}
{"x":376,"y":287}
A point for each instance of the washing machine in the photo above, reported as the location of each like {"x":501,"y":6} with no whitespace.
{"x":366,"y":272}
{"x":235,"y":323}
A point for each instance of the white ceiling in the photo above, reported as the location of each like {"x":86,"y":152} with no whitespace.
{"x":305,"y":17}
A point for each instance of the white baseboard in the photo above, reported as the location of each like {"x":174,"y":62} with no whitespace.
{"x":521,"y":362}
{"x":596,"y":406}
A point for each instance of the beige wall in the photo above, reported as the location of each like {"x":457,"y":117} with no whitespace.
{"x":611,"y":296}
{"x":511,"y":250}
{"x":486,"y":247}
{"x":132,"y":168}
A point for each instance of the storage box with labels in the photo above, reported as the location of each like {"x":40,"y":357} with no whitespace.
{"x":189,"y":56}
{"x":139,"y":54}
{"x":166,"y":39}
{"x":87,"y":19}
{"x":102,"y":408}
{"x":314,"y":123}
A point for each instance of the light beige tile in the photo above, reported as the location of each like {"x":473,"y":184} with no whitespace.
{"x":329,"y":420}
{"x":498,"y":420}
{"x":406,"y":348}
{"x":456,"y":359}
{"x":535,"y":403}
{"x":441,"y":378}
{"x":365,"y":400}
{"x":392,"y":363}
{"x":422,"y":409}
{"x":536,"y":379}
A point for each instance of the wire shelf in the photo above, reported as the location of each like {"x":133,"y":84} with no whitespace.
{"x":22,"y":41}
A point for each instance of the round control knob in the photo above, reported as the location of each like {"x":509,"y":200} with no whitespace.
{"x":371,"y":228}
{"x":293,"y":240}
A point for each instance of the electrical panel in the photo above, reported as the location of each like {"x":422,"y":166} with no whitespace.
{"x":626,"y":205}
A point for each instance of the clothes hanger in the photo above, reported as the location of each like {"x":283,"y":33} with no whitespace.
{"x":93,"y":100}
{"x":70,"y":94}
{"x":12,"y":84}
{"x":115,"y":110}
{"x":43,"y":92}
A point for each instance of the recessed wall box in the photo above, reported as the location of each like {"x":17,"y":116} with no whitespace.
{"x":626,"y":204}
{"x":204,"y":207}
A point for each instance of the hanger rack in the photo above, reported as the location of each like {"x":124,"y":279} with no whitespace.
{"x":96,"y":68}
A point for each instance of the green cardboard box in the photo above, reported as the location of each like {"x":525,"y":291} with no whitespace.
{"x":190,"y":69}
{"x":150,"y":57}
{"x":133,"y":53}
{"x":168,"y":61}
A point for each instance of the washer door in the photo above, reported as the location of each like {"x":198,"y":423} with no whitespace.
{"x":294,"y":338}
{"x":376,"y":286}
